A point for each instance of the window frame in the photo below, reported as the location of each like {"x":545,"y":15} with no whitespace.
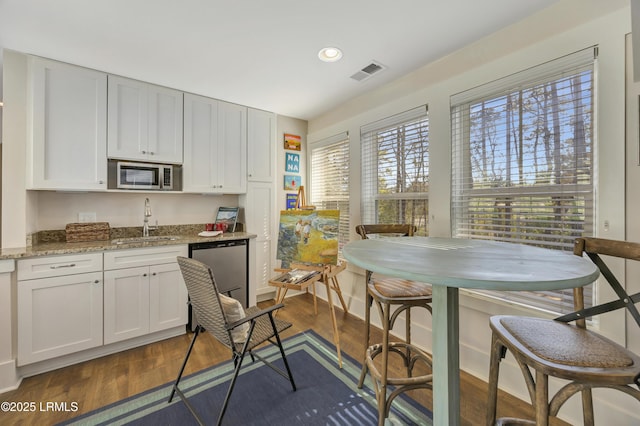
{"x":461,"y":194}
{"x":370,"y":195}
{"x":342,"y":142}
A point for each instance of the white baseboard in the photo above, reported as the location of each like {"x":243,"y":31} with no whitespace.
{"x":75,"y":358}
{"x":9,"y":378}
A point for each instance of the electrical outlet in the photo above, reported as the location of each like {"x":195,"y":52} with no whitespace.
{"x":84,"y":217}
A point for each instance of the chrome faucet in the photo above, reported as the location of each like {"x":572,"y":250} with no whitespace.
{"x":147,"y":215}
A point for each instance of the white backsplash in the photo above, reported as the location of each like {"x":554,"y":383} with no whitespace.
{"x":56,"y":209}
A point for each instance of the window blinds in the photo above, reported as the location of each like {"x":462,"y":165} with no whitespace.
{"x":395,"y":170}
{"x":523,"y":163}
{"x":330,"y":179}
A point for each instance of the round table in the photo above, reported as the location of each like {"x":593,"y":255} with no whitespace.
{"x":453,"y":263}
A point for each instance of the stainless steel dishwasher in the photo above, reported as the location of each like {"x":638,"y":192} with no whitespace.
{"x":229,"y":262}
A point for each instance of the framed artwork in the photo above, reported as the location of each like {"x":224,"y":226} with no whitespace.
{"x":292,"y":142}
{"x":292,"y":182}
{"x":291,"y":201}
{"x":292,"y":162}
{"x":308,"y":236}
{"x":228,"y":216}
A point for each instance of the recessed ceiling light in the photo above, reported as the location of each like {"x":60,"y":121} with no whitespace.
{"x":330,"y":54}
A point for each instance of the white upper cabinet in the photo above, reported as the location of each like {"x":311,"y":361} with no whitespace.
{"x":232,"y":148}
{"x":215,"y":146}
{"x":261,"y":136}
{"x":145,"y":121}
{"x":68,"y":134}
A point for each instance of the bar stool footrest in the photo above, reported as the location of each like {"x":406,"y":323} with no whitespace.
{"x":401,"y":384}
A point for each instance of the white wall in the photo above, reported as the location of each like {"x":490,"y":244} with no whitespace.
{"x":540,"y":38}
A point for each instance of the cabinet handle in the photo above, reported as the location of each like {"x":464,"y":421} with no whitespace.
{"x":69,"y":265}
{"x":144,"y":275}
{"x":144,"y":152}
{"x":154,"y":274}
{"x":151,"y":153}
{"x":96,"y":282}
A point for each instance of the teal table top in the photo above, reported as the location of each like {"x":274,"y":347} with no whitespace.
{"x":479,"y":264}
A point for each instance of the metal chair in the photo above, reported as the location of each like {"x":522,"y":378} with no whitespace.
{"x":570,"y":352}
{"x":209,"y":309}
{"x":400,"y":296}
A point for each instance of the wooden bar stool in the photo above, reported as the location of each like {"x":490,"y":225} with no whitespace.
{"x":392,"y":297}
{"x":546,"y":348}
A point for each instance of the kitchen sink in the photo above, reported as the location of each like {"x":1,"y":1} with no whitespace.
{"x":134,"y":240}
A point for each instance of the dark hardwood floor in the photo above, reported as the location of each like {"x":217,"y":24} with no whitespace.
{"x":105,"y":380}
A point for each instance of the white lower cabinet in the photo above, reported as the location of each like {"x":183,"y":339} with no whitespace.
{"x":71,"y":303}
{"x":143,"y":292}
{"x":126,"y":304}
{"x":60,"y":312}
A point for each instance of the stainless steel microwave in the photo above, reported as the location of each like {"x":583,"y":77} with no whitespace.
{"x":143,"y":176}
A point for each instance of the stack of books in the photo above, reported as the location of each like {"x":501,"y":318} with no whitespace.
{"x":295,"y":276}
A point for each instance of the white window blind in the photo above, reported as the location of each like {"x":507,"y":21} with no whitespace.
{"x":523,"y":163}
{"x":330,"y":180}
{"x":395,"y":170}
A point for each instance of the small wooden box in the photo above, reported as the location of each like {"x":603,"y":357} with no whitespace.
{"x":92,"y":231}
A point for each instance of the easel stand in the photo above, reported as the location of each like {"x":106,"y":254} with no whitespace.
{"x":329,"y":277}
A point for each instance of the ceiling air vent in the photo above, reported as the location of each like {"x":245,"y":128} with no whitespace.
{"x":368,"y":71}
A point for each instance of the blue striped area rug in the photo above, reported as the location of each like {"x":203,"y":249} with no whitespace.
{"x":326,"y":395}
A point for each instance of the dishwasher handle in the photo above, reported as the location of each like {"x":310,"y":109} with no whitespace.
{"x":217,"y":244}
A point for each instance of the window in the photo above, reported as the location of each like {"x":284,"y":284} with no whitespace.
{"x":330,"y":180}
{"x":523,"y":163}
{"x":395,"y":170}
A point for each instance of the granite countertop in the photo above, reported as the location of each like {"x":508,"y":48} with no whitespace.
{"x":51,"y":242}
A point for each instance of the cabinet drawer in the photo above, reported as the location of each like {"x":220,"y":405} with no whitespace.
{"x":55,"y":266}
{"x":143,"y":257}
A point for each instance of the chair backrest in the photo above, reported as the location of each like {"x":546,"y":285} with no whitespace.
{"x":397,"y":229}
{"x":204,"y":298}
{"x":594,"y":247}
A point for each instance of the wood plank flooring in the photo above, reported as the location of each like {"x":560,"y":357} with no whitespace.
{"x":105,"y":380}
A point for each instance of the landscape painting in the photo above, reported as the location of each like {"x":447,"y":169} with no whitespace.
{"x":308,"y":236}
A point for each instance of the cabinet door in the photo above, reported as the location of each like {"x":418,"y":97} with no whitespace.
{"x":127,"y":119}
{"x":144,"y":121}
{"x":69,"y":133}
{"x":200,"y":144}
{"x":165,"y":125}
{"x":126,"y":304}
{"x":264,"y":268}
{"x":261,"y":148}
{"x":232,"y":148}
{"x":167,"y":297}
{"x":58,"y":316}
{"x":259,"y":207}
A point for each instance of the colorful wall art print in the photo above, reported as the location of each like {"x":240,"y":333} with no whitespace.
{"x":292,"y":182}
{"x":292,"y":200}
{"x":292,"y":142}
{"x":308,"y":236}
{"x":292,"y":162}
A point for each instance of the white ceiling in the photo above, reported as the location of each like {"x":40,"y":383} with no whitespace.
{"x":260,"y":53}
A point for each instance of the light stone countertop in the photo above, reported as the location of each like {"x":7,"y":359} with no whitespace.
{"x":62,"y":247}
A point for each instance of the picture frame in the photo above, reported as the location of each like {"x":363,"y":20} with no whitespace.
{"x":292,"y":162}
{"x":291,"y":200}
{"x":292,"y":142}
{"x":292,"y":182}
{"x":228,"y":216}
